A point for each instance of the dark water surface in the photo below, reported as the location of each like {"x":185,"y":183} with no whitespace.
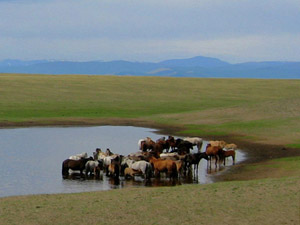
{"x":31,"y":158}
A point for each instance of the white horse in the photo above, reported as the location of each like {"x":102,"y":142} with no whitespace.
{"x":82,"y":155}
{"x":171,"y":154}
{"x":93,"y":167}
{"x":99,"y":155}
{"x":195,"y":141}
{"x":127,"y":161}
{"x":143,"y":166}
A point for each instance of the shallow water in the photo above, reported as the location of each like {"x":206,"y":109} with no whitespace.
{"x":31,"y":158}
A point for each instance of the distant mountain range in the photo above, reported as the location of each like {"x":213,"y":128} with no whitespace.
{"x":192,"y":67}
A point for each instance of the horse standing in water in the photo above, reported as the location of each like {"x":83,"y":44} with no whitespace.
{"x":171,"y":142}
{"x":93,"y":167}
{"x":228,"y":153}
{"x":167,"y":165}
{"x":146,"y":144}
{"x":144,"y":167}
{"x":194,"y":160}
{"x":195,"y":141}
{"x":213,"y":151}
{"x":74,"y":165}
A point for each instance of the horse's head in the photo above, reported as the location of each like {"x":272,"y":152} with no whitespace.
{"x":108,"y":152}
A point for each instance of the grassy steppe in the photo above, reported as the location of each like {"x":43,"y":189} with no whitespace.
{"x":256,"y":111}
{"x":264,"y":202}
{"x":265,"y":111}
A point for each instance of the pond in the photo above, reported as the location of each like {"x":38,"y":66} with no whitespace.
{"x":31,"y":158}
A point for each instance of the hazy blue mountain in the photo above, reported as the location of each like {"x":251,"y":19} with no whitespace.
{"x":198,"y":61}
{"x":193,"y":67}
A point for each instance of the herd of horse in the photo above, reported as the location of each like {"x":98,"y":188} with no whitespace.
{"x":168,"y":156}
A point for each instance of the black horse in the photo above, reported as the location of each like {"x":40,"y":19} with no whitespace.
{"x":183,"y":147}
{"x":194,"y":159}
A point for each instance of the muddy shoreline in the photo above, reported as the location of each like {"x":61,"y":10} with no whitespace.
{"x":255,"y":152}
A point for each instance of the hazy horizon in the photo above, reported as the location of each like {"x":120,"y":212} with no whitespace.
{"x":150,"y":31}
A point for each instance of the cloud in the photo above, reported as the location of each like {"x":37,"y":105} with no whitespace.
{"x":158,"y":29}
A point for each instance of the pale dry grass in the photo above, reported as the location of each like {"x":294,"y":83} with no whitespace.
{"x":252,"y":202}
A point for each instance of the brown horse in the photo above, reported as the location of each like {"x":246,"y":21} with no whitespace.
{"x":213,"y":151}
{"x":228,"y":153}
{"x":147,"y":144}
{"x":74,"y":165}
{"x":166,"y":165}
{"x":160,"y":146}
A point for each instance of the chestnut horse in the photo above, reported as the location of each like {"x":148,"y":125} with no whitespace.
{"x":213,"y":151}
{"x":167,"y":165}
{"x":228,"y":153}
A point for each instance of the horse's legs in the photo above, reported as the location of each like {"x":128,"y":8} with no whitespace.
{"x":216,"y":163}
{"x":233,"y":160}
{"x":209,"y":163}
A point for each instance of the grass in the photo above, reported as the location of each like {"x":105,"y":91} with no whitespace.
{"x":276,"y":168}
{"x":266,"y":110}
{"x":268,"y":201}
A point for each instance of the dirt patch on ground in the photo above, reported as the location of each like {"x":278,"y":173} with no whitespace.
{"x":255,"y":152}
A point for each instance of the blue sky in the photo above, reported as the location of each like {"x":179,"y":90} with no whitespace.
{"x":150,"y":30}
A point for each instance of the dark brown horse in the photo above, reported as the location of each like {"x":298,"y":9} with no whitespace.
{"x":171,"y":142}
{"x":114,"y":167}
{"x":194,"y":160}
{"x":74,"y":165}
{"x":160,"y":146}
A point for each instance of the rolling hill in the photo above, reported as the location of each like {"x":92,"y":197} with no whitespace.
{"x":199,"y":66}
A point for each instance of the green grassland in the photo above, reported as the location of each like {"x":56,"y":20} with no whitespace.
{"x":259,"y":111}
{"x":267,"y":201}
{"x":265,"y":111}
